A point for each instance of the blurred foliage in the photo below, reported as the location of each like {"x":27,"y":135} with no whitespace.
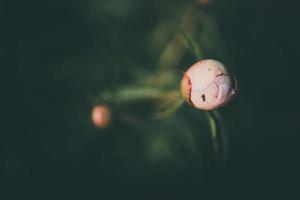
{"x":63,"y":54}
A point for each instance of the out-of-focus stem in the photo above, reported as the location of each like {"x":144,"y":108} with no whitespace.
{"x":175,"y":48}
{"x":214,"y":132}
{"x":169,"y":109}
{"x":221,"y":137}
{"x":125,"y":95}
{"x":167,"y":101}
{"x":193,"y":45}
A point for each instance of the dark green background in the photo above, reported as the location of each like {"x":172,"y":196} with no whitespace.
{"x":60,"y":54}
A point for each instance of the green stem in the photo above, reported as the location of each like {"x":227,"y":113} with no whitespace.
{"x":214,"y":134}
{"x":125,"y":95}
{"x":193,"y":45}
{"x":221,"y":137}
{"x":171,"y":108}
{"x":167,"y":101}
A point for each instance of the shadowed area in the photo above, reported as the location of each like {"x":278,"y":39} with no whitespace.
{"x":60,"y":55}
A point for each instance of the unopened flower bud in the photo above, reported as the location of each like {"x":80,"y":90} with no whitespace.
{"x":101,"y":116}
{"x":206,"y":85}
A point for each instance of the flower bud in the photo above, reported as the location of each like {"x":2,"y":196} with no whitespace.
{"x":206,"y":85}
{"x":101,"y":116}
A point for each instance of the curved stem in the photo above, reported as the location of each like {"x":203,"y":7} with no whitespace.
{"x":193,"y":45}
{"x":166,"y":112}
{"x":221,"y":137}
{"x":167,"y":101}
{"x":214,"y":134}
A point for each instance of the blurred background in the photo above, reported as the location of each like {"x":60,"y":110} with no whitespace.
{"x":61,"y":55}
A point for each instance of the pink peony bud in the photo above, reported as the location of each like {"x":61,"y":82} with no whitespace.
{"x":101,"y":116}
{"x":206,"y":85}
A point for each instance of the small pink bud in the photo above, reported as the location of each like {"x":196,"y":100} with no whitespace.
{"x":101,"y":116}
{"x":206,"y":85}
